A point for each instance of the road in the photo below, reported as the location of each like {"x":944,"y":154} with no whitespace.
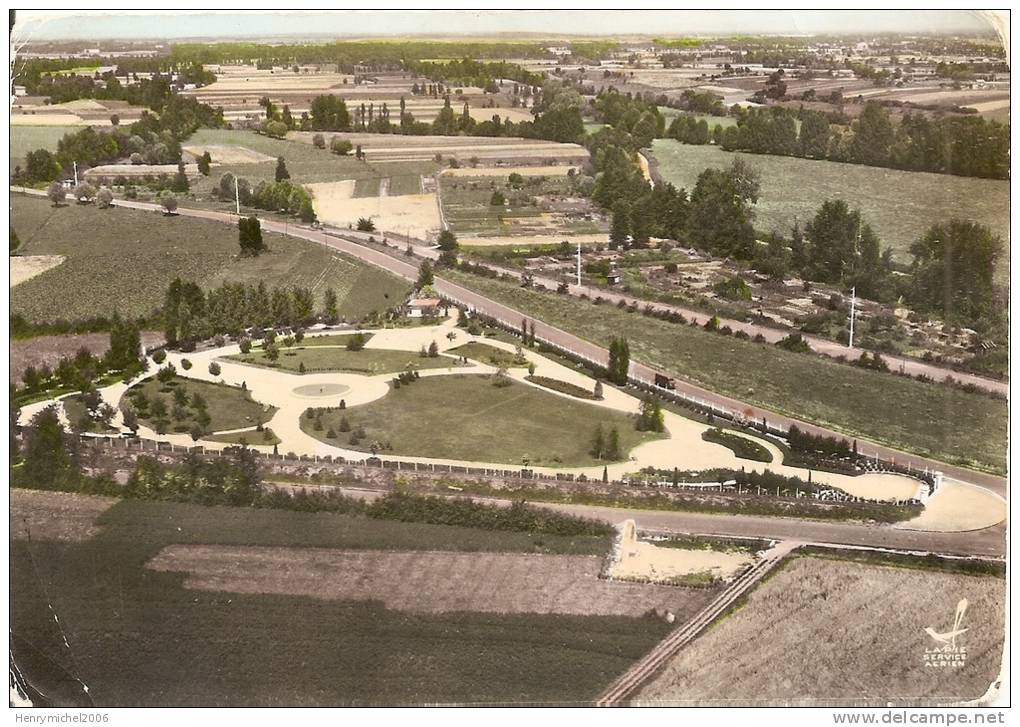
{"x":987,"y":543}
{"x":348,"y":242}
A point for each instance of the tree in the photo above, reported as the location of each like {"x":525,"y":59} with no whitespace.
{"x":619,"y":232}
{"x":41,"y":166}
{"x":340,"y":146}
{"x":249,"y":234}
{"x":651,"y":418}
{"x":873,"y":136}
{"x":130,"y":419}
{"x":168,"y":201}
{"x":319,"y":141}
{"x":613,"y":445}
{"x":47,"y":462}
{"x":307,"y":211}
{"x":814,"y":136}
{"x":619,"y":361}
{"x":56,"y":193}
{"x":272,"y":352}
{"x":597,"y":392}
{"x":844,"y":249}
{"x":433,"y":350}
{"x":281,"y":170}
{"x":180,"y":183}
{"x":719,"y":218}
{"x":426,"y":277}
{"x":329,"y":305}
{"x":166,"y":374}
{"x":365,"y":224}
{"x":84,"y":193}
{"x":205,"y":164}
{"x":104,"y":198}
{"x":214,"y":368}
{"x":276,"y":129}
{"x":497,"y":199}
{"x":953,"y":271}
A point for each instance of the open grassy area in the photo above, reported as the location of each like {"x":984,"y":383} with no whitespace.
{"x":369,"y":361}
{"x":936,"y":421}
{"x":486,"y":354}
{"x":29,"y":138}
{"x":228,"y":407}
{"x":899,"y":205}
{"x":469,"y":418}
{"x":123,"y":260}
{"x":266,"y":436}
{"x":740,"y":446}
{"x":305,"y":163}
{"x":232,"y":649}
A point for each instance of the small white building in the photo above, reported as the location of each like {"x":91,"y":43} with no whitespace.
{"x":426,"y":308}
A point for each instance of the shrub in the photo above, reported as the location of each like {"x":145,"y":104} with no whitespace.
{"x":186,"y":364}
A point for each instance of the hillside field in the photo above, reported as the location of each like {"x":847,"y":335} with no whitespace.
{"x":899,"y":205}
{"x":122,"y":259}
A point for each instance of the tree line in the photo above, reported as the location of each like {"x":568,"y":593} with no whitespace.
{"x":968,"y":146}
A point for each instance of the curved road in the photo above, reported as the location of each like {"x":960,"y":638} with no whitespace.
{"x":347,"y":242}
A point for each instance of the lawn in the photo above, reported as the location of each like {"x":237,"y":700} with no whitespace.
{"x":936,"y":421}
{"x":228,"y":407}
{"x":899,"y":205}
{"x":231,"y":649}
{"x":486,"y":354}
{"x":252,"y":437}
{"x":368,"y":361}
{"x":469,"y":418}
{"x":332,"y":339}
{"x":123,"y":260}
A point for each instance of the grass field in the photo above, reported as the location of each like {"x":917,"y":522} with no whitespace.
{"x":29,"y":138}
{"x":369,"y":361}
{"x":865,"y":626}
{"x":899,"y":205}
{"x":487,"y":354}
{"x":468,"y":418}
{"x":228,"y":407}
{"x":266,"y":436}
{"x":123,"y":260}
{"x":305,"y":163}
{"x":936,"y":421}
{"x":272,"y":650}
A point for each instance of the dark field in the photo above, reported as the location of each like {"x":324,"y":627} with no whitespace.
{"x":138,"y":638}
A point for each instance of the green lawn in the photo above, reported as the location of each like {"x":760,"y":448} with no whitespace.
{"x":266,"y":436}
{"x":468,"y":418}
{"x":123,"y":260}
{"x":229,"y":407}
{"x":936,"y":421}
{"x":490,"y":355}
{"x":333,"y":339}
{"x":141,"y":638}
{"x":368,"y":361}
{"x":899,"y":205}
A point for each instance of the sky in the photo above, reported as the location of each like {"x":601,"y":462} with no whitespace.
{"x":125,"y":24}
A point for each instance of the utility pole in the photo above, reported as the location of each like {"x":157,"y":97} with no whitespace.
{"x":75,"y":174}
{"x":578,"y":263}
{"x":853,"y":311}
{"x":237,"y":198}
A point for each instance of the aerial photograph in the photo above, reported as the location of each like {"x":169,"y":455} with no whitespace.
{"x":509,"y":358}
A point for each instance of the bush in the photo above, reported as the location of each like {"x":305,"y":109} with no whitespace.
{"x":186,"y":364}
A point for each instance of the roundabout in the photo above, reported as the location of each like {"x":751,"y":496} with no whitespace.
{"x":320,"y":391}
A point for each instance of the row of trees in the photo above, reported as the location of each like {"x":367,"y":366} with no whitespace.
{"x":191,"y":314}
{"x":281,"y":196}
{"x":963,"y":145}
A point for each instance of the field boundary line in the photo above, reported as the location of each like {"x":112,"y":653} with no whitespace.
{"x":630,"y":681}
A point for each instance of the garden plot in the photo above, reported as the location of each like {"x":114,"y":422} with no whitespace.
{"x":560,"y":170}
{"x":26,"y":267}
{"x":864,"y":626}
{"x":426,"y":582}
{"x":228,"y":154}
{"x":414,"y":214}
